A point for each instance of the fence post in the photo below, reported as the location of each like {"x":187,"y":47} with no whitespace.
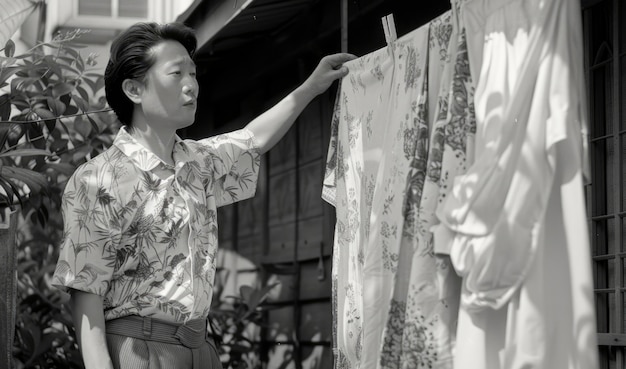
{"x":8,"y":285}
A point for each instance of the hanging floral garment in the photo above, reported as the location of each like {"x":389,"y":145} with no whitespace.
{"x":514,"y":225}
{"x":394,"y":300}
{"x":451,"y":132}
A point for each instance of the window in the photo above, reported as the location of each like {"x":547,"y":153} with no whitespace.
{"x":112,"y":14}
{"x":113,"y":8}
{"x":605,"y":61}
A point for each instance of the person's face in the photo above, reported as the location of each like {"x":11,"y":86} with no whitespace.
{"x":170,"y":88}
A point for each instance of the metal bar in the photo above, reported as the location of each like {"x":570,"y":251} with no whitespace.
{"x":344,"y":26}
{"x":619,"y":267}
{"x":600,"y":64}
{"x":609,"y":256}
{"x":603,"y":257}
{"x":603,"y":217}
{"x":297,"y":305}
{"x":601,"y":138}
{"x":600,"y":291}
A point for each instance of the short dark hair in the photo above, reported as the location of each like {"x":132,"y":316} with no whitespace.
{"x":131,"y":58}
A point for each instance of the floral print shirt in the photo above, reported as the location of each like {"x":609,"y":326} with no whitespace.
{"x":143,"y":234}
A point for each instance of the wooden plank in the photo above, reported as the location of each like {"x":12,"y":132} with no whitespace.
{"x":311,"y":286}
{"x":282,"y":196}
{"x":8,"y":289}
{"x":310,"y":201}
{"x":611,"y":339}
{"x":281,"y":244}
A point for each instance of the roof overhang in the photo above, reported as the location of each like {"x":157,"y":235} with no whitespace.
{"x":232,"y":22}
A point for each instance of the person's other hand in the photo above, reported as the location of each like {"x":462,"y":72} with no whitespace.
{"x":329,"y":69}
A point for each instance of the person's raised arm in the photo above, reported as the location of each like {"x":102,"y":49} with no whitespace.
{"x":271,"y":126}
{"x":88,"y":316}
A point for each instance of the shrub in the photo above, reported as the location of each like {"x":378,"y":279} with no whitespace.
{"x":44,"y":135}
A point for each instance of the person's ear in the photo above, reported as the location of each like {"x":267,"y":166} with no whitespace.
{"x":133,"y":89}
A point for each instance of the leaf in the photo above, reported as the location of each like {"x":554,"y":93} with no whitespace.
{"x":80,"y":63}
{"x":35,"y":135}
{"x":44,"y":113}
{"x":42,"y":215}
{"x":90,"y":83}
{"x":19,"y":84}
{"x":95,"y":85}
{"x":94,"y":125}
{"x":36,"y":182}
{"x":82,"y":127}
{"x":64,"y":168}
{"x":51,"y":124}
{"x":75,"y":45}
{"x":20,"y":102}
{"x":25,"y":152}
{"x":5,"y":107}
{"x":57,"y":107}
{"x":69,"y":109}
{"x":9,"y":190}
{"x":80,"y":155}
{"x":62,"y":88}
{"x":4,"y":134}
{"x":15,"y":133}
{"x":52,"y":65}
{"x":9,"y":49}
{"x":48,"y":117}
{"x":83,"y":93}
{"x":81,"y":103}
{"x":58,"y":145}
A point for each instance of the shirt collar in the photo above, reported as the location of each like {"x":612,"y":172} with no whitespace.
{"x":143,"y":158}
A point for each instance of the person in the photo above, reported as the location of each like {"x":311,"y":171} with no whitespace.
{"x":138,"y":255}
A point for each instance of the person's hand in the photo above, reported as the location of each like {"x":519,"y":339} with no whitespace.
{"x":329,"y":69}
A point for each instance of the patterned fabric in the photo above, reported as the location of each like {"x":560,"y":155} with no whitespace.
{"x":143,"y":234}
{"x":515,"y":223}
{"x":394,"y":300}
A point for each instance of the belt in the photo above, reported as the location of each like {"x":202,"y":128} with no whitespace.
{"x":192,"y":334}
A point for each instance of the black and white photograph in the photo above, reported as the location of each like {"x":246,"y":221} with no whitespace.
{"x":312,"y":184}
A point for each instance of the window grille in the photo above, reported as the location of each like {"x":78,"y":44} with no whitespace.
{"x":605,"y":62}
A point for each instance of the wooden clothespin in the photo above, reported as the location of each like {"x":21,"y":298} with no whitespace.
{"x":389,"y":26}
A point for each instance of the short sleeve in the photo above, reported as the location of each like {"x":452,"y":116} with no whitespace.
{"x":91,"y":234}
{"x":236,"y":159}
{"x":329,"y":187}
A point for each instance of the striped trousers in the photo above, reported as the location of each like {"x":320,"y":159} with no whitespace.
{"x":136,"y":342}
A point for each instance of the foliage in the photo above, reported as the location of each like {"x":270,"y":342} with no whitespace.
{"x":235,"y":325}
{"x":44,"y":136}
{"x":46,"y":90}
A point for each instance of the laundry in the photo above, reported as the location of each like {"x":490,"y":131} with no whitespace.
{"x":387,"y":281}
{"x":514,"y":224}
{"x":455,"y":165}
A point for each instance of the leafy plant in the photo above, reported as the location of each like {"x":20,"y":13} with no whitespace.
{"x":45,"y":131}
{"x":53,"y":118}
{"x":235,"y":322}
